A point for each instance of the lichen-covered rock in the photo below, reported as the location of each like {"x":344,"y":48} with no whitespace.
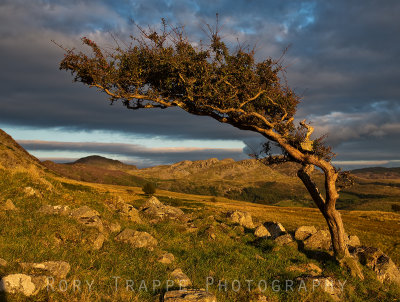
{"x":88,"y":217}
{"x":242,"y":218}
{"x":98,"y":241}
{"x":321,"y":240}
{"x":380,"y":263}
{"x":155,"y":208}
{"x":261,"y":232}
{"x":283,"y":239}
{"x":8,"y":205}
{"x":55,"y":210}
{"x":274,"y":228}
{"x":189,"y":295}
{"x":137,"y":239}
{"x":304,"y":232}
{"x":353,"y":240}
{"x":19,"y":283}
{"x":129,"y":212}
{"x":180,"y":278}
{"x":58,"y":269}
{"x":166,"y":258}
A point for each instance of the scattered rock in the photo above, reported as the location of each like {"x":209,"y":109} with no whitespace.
{"x":329,"y":285}
{"x":3,"y":262}
{"x":304,"y":232}
{"x":283,"y":239}
{"x":154,"y":208}
{"x":262,"y":232}
{"x":137,"y":239}
{"x":55,"y":210}
{"x":88,"y":217}
{"x":210,"y":232}
{"x":180,"y":278}
{"x":274,"y":228}
{"x":129,"y":212}
{"x":29,"y":191}
{"x":321,"y":240}
{"x":57,"y":269}
{"x":309,"y":269}
{"x":242,"y":218}
{"x":380,"y":263}
{"x":353,"y":240}
{"x":98,"y":241}
{"x":166,"y":258}
{"x":7,"y":205}
{"x":21,"y":283}
{"x":189,"y":295}
{"x":114,"y":227}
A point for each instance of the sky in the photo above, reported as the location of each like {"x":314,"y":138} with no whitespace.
{"x":343,"y":59}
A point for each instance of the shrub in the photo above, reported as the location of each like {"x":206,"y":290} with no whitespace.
{"x":396,"y":207}
{"x":149,"y":188}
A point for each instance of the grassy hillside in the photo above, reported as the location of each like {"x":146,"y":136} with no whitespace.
{"x":27,"y":234}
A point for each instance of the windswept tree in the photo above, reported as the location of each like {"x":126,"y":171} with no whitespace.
{"x":162,"y":69}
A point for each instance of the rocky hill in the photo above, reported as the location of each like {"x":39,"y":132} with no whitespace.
{"x":13,"y":156}
{"x":103,"y":162}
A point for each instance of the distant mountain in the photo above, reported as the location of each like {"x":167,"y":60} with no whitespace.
{"x":378,"y":172}
{"x":13,"y":156}
{"x":103,"y":162}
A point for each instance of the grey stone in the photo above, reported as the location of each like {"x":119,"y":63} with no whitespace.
{"x":189,"y":295}
{"x":88,"y":217}
{"x":166,"y":258}
{"x":55,"y":210}
{"x":98,"y":241}
{"x":304,"y":232}
{"x":321,"y":240}
{"x":19,"y":283}
{"x":154,"y":208}
{"x":180,"y":278}
{"x":274,"y":228}
{"x":58,"y":269}
{"x":137,"y":239}
{"x":353,"y":240}
{"x":262,"y":232}
{"x":283,"y":239}
{"x":129,"y":212}
{"x":242,"y":218}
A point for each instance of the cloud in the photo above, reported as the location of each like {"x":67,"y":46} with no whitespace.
{"x":343,"y":60}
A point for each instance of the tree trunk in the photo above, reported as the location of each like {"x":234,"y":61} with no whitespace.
{"x":336,"y":228}
{"x":327,"y":208}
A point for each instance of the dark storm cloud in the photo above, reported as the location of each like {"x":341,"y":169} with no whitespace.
{"x":343,"y":59}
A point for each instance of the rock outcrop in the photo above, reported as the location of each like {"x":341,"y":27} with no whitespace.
{"x":137,"y":239}
{"x":155,"y":208}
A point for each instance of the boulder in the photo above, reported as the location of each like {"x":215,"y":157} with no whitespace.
{"x":55,"y":210}
{"x":261,"y":232}
{"x":353,"y":240}
{"x":274,"y":228}
{"x":283,"y":239}
{"x":166,"y":258}
{"x":242,"y":218}
{"x":3,"y":262}
{"x":321,"y":240}
{"x":8,"y":205}
{"x":154,"y":208}
{"x":304,"y":232}
{"x":98,"y":241}
{"x":88,"y":217}
{"x":129,"y":212}
{"x":189,"y":295}
{"x":180,"y":278}
{"x":22,"y":284}
{"x":137,"y":239}
{"x":380,"y":263}
{"x":58,"y":269}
